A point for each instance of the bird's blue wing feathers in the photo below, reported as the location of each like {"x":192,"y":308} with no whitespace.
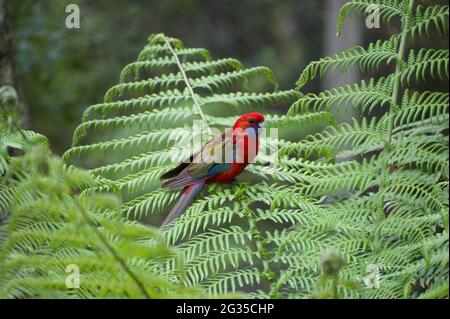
{"x":219,"y":168}
{"x":202,"y":166}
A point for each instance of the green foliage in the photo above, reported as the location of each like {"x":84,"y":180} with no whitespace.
{"x":53,"y":234}
{"x":391,"y":208}
{"x":265,"y":235}
{"x":57,"y":243}
{"x":221,"y":236}
{"x":370,"y":192}
{"x":13,"y":140}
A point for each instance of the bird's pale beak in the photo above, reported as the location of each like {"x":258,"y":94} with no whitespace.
{"x":261,"y":125}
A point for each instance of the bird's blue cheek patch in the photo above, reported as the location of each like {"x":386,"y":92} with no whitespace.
{"x":251,"y":132}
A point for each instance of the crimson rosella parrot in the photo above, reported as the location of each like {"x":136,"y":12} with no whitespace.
{"x":219,"y":161}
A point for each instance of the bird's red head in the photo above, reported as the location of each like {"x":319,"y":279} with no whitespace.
{"x":253,"y":119}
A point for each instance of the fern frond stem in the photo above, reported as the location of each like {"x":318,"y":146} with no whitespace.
{"x":393,"y":107}
{"x":257,"y":237}
{"x":276,"y":287}
{"x":114,"y":253}
{"x":188,"y":85}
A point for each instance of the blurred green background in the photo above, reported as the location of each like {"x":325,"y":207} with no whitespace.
{"x":60,"y":72}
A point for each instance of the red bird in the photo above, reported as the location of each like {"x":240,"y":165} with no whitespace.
{"x":219,"y":161}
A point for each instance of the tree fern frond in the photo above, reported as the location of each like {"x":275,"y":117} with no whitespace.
{"x":388,"y":9}
{"x":187,"y":54}
{"x":367,"y":60}
{"x":426,"y":17}
{"x":421,"y":107}
{"x":366,"y":95}
{"x":426,"y":62}
{"x":233,"y":280}
{"x":142,"y":69}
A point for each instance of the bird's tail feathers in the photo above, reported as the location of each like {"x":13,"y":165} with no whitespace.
{"x":187,"y":196}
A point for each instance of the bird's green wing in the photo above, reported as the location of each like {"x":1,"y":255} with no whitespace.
{"x":214,"y":158}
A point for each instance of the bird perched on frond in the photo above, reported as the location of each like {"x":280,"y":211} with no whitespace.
{"x":221,"y":160}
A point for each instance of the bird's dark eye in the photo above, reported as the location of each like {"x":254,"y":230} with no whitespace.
{"x":251,"y":120}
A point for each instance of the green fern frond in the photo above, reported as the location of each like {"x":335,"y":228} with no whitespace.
{"x":49,"y":230}
{"x":383,"y":181}
{"x":426,"y":62}
{"x":366,"y":59}
{"x":426,"y":17}
{"x":366,"y":96}
{"x":373,"y":190}
{"x":388,"y":9}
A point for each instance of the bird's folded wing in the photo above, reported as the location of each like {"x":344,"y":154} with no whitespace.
{"x":212,"y":159}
